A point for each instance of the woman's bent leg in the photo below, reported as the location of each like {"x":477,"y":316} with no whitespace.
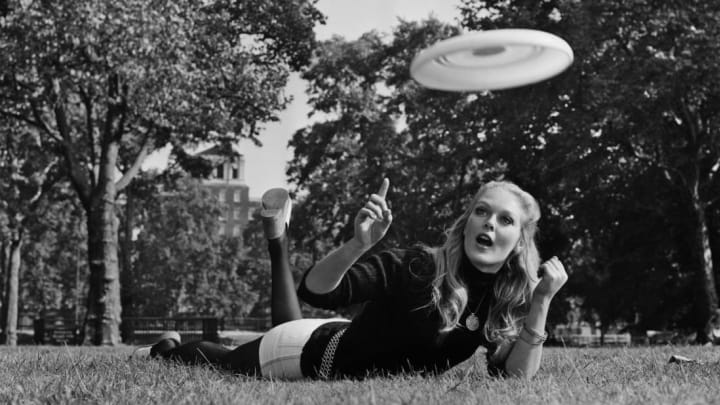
{"x":276,"y":216}
{"x":198,"y":352}
{"x":242,"y":360}
{"x":284,"y":305}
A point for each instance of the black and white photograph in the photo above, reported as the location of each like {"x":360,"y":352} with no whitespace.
{"x":359,"y":202}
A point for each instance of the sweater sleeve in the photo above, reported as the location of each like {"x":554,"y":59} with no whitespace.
{"x":366,"y":280}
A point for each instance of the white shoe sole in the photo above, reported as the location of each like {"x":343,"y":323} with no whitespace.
{"x":277,"y":208}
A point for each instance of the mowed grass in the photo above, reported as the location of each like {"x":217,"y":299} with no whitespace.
{"x":639,"y":375}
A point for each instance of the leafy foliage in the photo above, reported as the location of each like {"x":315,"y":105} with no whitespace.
{"x":620,"y":150}
{"x":663,"y":57}
{"x":182,"y":264}
{"x":106,"y":82}
{"x":27,"y":176}
{"x":54,"y":275}
{"x":366,"y":91}
{"x":181,"y":65}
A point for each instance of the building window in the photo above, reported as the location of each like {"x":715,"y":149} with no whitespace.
{"x":235,"y":172}
{"x":236,"y":230}
{"x":220,"y":172}
{"x":237,"y":212}
{"x":236,"y":196}
{"x":221,"y":196}
{"x":221,"y":231}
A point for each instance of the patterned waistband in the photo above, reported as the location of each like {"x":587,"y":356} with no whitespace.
{"x":328,"y":357}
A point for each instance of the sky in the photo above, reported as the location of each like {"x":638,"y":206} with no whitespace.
{"x":265,"y":166}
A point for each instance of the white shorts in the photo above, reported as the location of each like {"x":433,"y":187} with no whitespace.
{"x":281,"y":347}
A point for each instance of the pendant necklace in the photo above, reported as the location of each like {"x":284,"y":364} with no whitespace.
{"x":486,"y":282}
{"x":472,"y":322}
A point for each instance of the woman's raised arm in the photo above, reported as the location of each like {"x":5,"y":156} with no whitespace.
{"x":371,"y":224}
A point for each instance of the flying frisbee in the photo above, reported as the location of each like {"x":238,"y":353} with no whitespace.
{"x":491,"y":60}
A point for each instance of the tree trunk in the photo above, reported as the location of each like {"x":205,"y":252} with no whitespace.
{"x":714,"y":236}
{"x":10,"y":307}
{"x":127,"y":278}
{"x":4,"y":265}
{"x":104,"y":308}
{"x":703,"y":263}
{"x":4,"y":8}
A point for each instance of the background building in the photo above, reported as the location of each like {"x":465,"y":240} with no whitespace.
{"x":227,"y":184}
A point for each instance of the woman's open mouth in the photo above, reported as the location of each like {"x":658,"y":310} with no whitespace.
{"x":484,"y":240}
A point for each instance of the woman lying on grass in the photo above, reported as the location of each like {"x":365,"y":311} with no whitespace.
{"x":426,"y":309}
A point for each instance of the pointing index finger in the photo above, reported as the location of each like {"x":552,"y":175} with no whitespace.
{"x":384,"y":188}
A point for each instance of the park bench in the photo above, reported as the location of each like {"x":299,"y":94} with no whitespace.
{"x":56,"y":329}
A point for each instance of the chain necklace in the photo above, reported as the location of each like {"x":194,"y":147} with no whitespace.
{"x":472,"y":322}
{"x":485,"y":282}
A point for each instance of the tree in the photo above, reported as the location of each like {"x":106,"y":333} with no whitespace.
{"x":382,"y":124}
{"x":27,"y":175}
{"x":639,"y":103}
{"x":608,"y":173}
{"x":105,"y":79}
{"x":180,"y":252}
{"x":54,"y":257}
{"x":436,"y":147}
{"x":671,"y":54}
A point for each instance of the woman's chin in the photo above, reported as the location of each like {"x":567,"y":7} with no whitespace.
{"x":485,"y":264}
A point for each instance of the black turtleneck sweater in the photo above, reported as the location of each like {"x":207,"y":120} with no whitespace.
{"x":398,"y":329}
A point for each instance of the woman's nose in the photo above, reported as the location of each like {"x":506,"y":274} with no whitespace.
{"x":489,"y":223}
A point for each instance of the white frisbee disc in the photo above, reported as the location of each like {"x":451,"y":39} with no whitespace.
{"x":491,"y":60}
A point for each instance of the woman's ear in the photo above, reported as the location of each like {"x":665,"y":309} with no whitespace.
{"x":518,"y":247}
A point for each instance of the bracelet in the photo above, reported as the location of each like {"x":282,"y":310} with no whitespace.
{"x":535,"y":339}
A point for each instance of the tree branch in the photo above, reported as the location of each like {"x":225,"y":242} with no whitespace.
{"x":38,"y":124}
{"x":670,"y":171}
{"x":42,"y":183}
{"x":42,"y":124}
{"x":89,"y":124}
{"x":79,"y":177}
{"x":694,"y":131}
{"x":111,"y":111}
{"x":139,"y":159}
{"x":713,"y":171}
{"x":712,"y":202}
{"x":119,"y":131}
{"x":713,"y":182}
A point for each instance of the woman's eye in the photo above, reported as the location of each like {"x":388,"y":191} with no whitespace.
{"x":507,"y":220}
{"x":480,"y":211}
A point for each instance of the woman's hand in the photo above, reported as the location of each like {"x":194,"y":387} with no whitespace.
{"x":526,"y":352}
{"x":552,"y":277}
{"x":373,"y":219}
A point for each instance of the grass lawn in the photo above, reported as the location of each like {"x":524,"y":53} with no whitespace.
{"x":32,"y":374}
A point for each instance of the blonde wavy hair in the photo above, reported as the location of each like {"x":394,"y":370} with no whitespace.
{"x":513,"y":286}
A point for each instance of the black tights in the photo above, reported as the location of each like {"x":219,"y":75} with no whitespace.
{"x":245,"y":358}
